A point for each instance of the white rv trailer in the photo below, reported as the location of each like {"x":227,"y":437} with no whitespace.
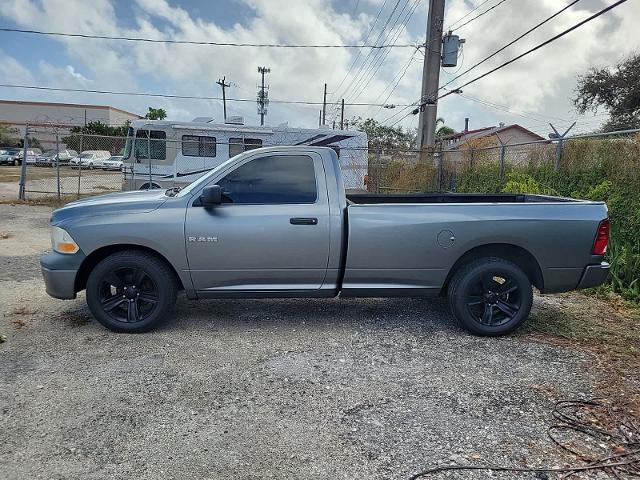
{"x":181,"y":152}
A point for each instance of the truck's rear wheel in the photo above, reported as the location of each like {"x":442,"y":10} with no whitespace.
{"x":131,"y":291}
{"x":490,"y":296}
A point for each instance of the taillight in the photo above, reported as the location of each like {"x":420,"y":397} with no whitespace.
{"x":602,"y":238}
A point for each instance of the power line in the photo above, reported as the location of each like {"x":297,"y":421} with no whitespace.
{"x":479,"y":15}
{"x":362,"y":68}
{"x":383,"y":56}
{"x":518,"y":38}
{"x":360,"y":51}
{"x":195,"y":42}
{"x":400,"y":77}
{"x":531,"y":50}
{"x":188,"y":97}
{"x":467,"y":14}
{"x":506,"y":109}
{"x":377,"y":63}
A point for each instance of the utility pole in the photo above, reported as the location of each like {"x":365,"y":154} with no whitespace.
{"x":224,"y":96}
{"x":324,"y":105}
{"x":263,"y":96}
{"x":431,"y":74}
{"x":342,"y":115}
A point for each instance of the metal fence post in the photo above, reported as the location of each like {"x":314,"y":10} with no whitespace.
{"x":503,"y":151}
{"x":560,"y":144}
{"x":378,"y":154}
{"x":58,"y":162}
{"x":440,"y":166}
{"x":471,"y":158}
{"x":149,"y":157}
{"x":80,"y":160}
{"x":23,"y":165}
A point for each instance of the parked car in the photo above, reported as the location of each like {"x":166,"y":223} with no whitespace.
{"x":50,"y":158}
{"x":65,"y":156}
{"x":47,"y":159}
{"x":32,"y":155}
{"x":9,"y":156}
{"x":276,"y":222}
{"x":90,"y":159}
{"x":113,"y":163}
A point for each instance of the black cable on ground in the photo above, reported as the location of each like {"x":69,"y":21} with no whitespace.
{"x":581,"y":418}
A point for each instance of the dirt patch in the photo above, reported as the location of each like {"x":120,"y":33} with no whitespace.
{"x":603,"y":327}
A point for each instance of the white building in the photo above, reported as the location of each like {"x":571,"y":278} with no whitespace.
{"x":44,"y":118}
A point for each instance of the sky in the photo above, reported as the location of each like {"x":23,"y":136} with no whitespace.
{"x":532,"y":92}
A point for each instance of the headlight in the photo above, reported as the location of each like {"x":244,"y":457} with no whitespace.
{"x":62,"y":242}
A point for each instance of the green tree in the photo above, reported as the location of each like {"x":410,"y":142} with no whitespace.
{"x":97,"y":136}
{"x":156,"y":114}
{"x":384,"y":136}
{"x":617,"y":89}
{"x":443,"y":130}
{"x":9,"y":136}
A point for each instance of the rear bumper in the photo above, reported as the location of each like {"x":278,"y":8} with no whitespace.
{"x":594,"y":275}
{"x":59,"y":272}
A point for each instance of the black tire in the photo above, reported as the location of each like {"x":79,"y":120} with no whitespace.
{"x":16,"y":162}
{"x":131,"y":291}
{"x":490,"y":296}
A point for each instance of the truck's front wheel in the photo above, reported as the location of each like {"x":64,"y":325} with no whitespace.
{"x":490,"y":296}
{"x":131,"y":291}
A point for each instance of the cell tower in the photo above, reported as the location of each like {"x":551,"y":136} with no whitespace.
{"x":263,"y":94}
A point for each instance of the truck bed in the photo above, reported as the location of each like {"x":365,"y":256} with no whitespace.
{"x":373,"y":198}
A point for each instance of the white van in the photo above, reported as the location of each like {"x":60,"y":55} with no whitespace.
{"x":181,"y":152}
{"x":90,"y":159}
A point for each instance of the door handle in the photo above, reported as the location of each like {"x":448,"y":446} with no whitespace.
{"x":303,"y":221}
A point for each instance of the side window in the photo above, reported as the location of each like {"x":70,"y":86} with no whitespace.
{"x":239,"y":145}
{"x":276,"y":179}
{"x":198,"y":146}
{"x":156,"y":140}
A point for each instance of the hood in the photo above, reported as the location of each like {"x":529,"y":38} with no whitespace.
{"x":138,"y":201}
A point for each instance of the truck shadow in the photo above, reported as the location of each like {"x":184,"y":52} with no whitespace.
{"x":421,"y":314}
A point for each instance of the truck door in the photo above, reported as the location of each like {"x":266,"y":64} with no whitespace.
{"x":271,"y":233}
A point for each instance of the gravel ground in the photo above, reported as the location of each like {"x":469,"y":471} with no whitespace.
{"x":365,"y":388}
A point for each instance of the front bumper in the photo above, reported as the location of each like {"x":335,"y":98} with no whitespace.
{"x":59,"y":272}
{"x":594,"y":275}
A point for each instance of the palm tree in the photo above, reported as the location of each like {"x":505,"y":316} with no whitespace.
{"x":443,"y":130}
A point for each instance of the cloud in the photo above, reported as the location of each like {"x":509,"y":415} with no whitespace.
{"x":13,"y":71}
{"x":540,"y":85}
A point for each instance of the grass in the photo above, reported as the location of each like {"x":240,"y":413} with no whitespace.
{"x":605,"y":328}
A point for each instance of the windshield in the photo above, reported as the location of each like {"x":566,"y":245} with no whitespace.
{"x":86,"y":155}
{"x":204,"y":179}
{"x":50,"y":153}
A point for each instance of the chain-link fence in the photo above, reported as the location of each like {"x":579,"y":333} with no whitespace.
{"x":80,"y":165}
{"x":548,"y":166}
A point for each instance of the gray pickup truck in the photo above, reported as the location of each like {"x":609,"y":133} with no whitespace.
{"x":276,"y":222}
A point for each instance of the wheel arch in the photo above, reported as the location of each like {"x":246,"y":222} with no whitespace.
{"x":101,"y":253}
{"x":507,"y":251}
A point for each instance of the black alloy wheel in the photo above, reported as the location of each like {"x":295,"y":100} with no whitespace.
{"x":131,"y":291}
{"x":490,"y":296}
{"x":128,"y":294}
{"x":493,"y":299}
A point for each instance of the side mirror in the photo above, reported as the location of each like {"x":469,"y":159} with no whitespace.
{"x":211,"y":195}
